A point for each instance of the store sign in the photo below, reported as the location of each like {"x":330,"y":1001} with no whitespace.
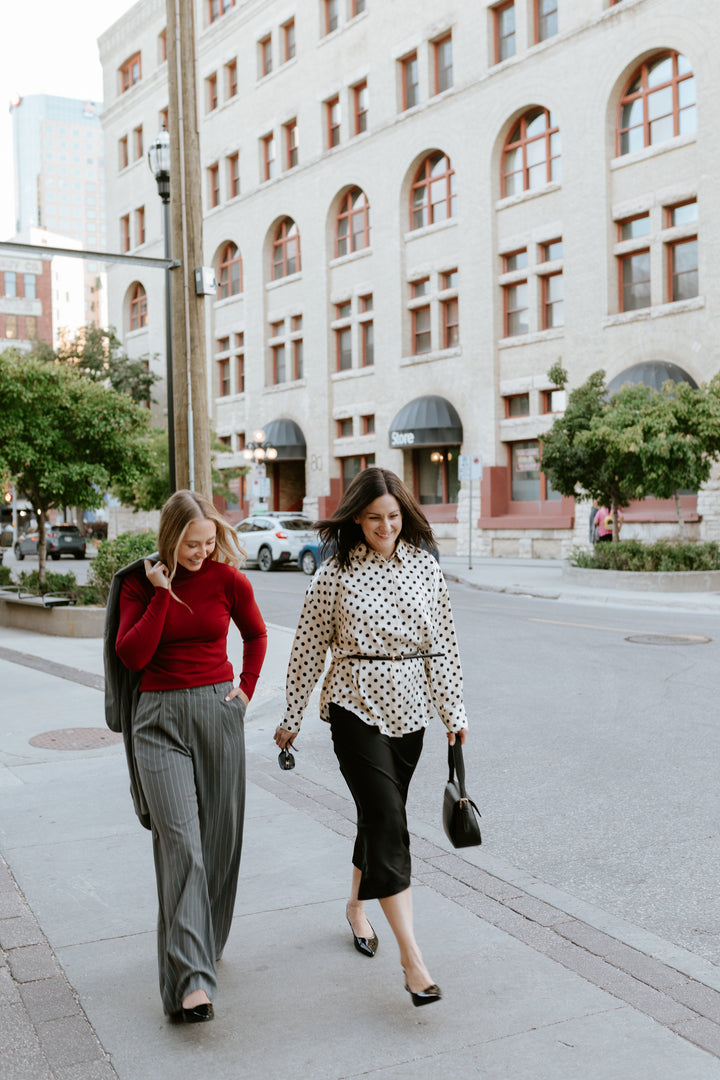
{"x":402,"y":438}
{"x":527,"y":460}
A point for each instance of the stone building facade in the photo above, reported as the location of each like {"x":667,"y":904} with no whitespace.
{"x":413,"y":211}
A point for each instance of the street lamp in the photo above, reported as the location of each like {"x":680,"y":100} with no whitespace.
{"x":259,"y":450}
{"x":159,"y":162}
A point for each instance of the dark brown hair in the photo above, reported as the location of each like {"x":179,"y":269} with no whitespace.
{"x":340,"y":533}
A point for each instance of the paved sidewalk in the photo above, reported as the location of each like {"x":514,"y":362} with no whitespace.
{"x":538,"y":985}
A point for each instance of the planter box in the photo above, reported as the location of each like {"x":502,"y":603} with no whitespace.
{"x":80,"y":622}
{"x":695,"y":581}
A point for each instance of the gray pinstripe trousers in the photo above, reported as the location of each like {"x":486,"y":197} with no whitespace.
{"x":190,"y":751}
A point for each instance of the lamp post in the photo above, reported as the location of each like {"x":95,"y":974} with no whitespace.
{"x":259,"y":450}
{"x":159,"y":162}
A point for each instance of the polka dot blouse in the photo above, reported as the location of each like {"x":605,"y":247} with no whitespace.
{"x":378,"y":607}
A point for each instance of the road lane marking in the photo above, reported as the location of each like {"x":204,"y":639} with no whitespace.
{"x":614,"y":629}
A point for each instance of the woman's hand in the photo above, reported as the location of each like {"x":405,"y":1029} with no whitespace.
{"x":462,"y":735}
{"x":237,"y":692}
{"x":157,"y":574}
{"x":284,"y":738}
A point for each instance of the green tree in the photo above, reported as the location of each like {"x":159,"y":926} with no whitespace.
{"x":66,"y":439}
{"x":98,"y":354}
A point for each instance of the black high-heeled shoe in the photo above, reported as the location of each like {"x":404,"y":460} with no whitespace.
{"x":425,"y":997}
{"x":198,"y":1014}
{"x":366,"y":946}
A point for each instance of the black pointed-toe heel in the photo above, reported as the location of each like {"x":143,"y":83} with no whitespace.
{"x":425,"y":997}
{"x":365,"y":945}
{"x":198,"y":1014}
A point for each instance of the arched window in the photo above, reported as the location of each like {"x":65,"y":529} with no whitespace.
{"x":286,"y":250}
{"x":658,"y":104}
{"x":433,"y":196}
{"x":138,"y":307}
{"x":229,"y":272}
{"x":531,"y":156}
{"x":352,"y":230}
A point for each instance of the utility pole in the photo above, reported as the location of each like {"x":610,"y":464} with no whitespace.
{"x":192,"y":426}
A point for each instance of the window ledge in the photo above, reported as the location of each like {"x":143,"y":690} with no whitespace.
{"x":428,"y":230}
{"x":524,"y":196}
{"x":229,"y":399}
{"x":284,"y":280}
{"x":352,"y":373}
{"x":675,"y":143}
{"x":341,"y":260}
{"x":228,"y":300}
{"x":277,"y":388}
{"x":529,"y":520}
{"x":429,"y":357}
{"x":132,"y":334}
{"x":531,"y":338}
{"x":659,"y":311}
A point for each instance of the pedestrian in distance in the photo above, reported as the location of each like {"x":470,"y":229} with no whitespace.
{"x":188,"y":744}
{"x":381,"y":606}
{"x":604,"y":524}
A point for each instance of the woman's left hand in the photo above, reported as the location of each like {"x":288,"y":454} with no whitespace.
{"x":461,"y":734}
{"x":237,"y":692}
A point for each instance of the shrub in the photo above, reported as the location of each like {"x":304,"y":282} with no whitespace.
{"x":5,"y":576}
{"x":113,"y":555}
{"x":664,"y":555}
{"x":54,"y":583}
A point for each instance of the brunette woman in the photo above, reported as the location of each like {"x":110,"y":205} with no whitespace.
{"x":380,"y":604}
{"x":187,"y":735}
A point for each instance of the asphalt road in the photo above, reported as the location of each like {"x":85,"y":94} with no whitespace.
{"x":594,"y":759}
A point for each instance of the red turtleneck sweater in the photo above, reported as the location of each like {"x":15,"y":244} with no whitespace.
{"x":177,"y":646}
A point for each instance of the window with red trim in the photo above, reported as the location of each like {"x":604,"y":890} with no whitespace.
{"x":352,"y":465}
{"x":682,"y":263}
{"x":345,"y":428}
{"x":288,"y":40}
{"x":239,"y":355}
{"x":233,"y":175}
{"x":229,"y":272}
{"x":125,"y":232}
{"x":352,"y":225}
{"x":343,"y":348}
{"x":516,"y":308}
{"x":267,"y":150}
{"x":162,"y":46}
{"x":504,"y":30}
{"x":546,"y":19}
{"x":332,"y":122}
{"x":531,"y":156}
{"x":211,"y":92}
{"x":223,"y":370}
{"x":140,"y":225}
{"x":658,"y":104}
{"x":265,"y":64}
{"x":213,"y":176}
{"x":130,"y":72}
{"x":138,"y":307}
{"x":552,"y":297}
{"x":123,"y":154}
{"x":368,"y":424}
{"x":409,"y":81}
{"x":332,"y":15}
{"x":634,"y":280}
{"x":164,"y":117}
{"x":292,"y":146}
{"x":286,"y":250}
{"x":360,"y":107}
{"x":443,"y":63}
{"x":432,"y":195}
{"x":358,"y":6}
{"x":217,"y":8}
{"x":449,"y":313}
{"x":231,"y":79}
{"x":138,"y":142}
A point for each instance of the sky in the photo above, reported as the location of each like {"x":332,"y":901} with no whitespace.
{"x":49,"y":47}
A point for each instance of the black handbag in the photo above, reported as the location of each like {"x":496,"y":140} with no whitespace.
{"x":459,"y":814}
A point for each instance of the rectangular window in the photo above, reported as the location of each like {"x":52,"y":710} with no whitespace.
{"x":360,"y":107}
{"x":297,"y":353}
{"x":213,"y":177}
{"x":10,"y":283}
{"x":124,"y":233}
{"x":288,"y":40}
{"x":517,"y":405}
{"x":164,"y":118}
{"x":515,"y":260}
{"x":357,"y":7}
{"x":552,"y":301}
{"x":443,"y":63}
{"x":264,"y":56}
{"x":331,"y":15}
{"x":634,"y":281}
{"x":546,"y":19}
{"x":421,"y":330}
{"x":682,"y":213}
{"x":345,"y":428}
{"x":211,"y":92}
{"x":504,"y":25}
{"x":279,"y":364}
{"x":630,"y":228}
{"x":554,"y":401}
{"x":140,"y":225}
{"x":223,"y":368}
{"x":138,"y":142}
{"x":31,"y":327}
{"x":291,"y":144}
{"x":550,"y":251}
{"x":240,"y":362}
{"x":515,"y":298}
{"x":525,"y":471}
{"x":123,"y":155}
{"x":30,"y":287}
{"x":418,"y":288}
{"x":683,"y":269}
{"x":343,"y":348}
{"x":162,"y":46}
{"x":343,"y":310}
{"x":449,"y":312}
{"x":233,"y":175}
{"x":231,"y":79}
{"x":268,"y":156}
{"x":216,"y":8}
{"x":11,"y":327}
{"x":449,"y":279}
{"x":351,"y":466}
{"x":332,"y":122}
{"x":410,"y":81}
{"x":367,"y":343}
{"x":130,"y":72}
{"x":368,"y":424}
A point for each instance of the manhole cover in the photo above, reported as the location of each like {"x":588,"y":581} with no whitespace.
{"x":76,"y":738}
{"x":668,"y":639}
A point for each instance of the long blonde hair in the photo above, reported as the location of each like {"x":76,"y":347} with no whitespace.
{"x":179,"y":511}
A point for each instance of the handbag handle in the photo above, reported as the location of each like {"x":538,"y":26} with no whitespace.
{"x":456,"y":765}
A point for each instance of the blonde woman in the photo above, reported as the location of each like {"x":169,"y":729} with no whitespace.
{"x":187,"y":735}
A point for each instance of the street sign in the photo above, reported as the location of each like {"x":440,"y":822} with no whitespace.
{"x":470,"y":467}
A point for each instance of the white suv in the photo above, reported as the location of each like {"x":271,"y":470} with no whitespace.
{"x":275,"y":538}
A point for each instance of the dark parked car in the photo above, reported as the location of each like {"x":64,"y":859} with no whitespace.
{"x":59,"y":540}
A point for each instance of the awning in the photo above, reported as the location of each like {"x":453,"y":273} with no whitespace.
{"x":650,"y":373}
{"x":287,"y":438}
{"x":426,"y":421}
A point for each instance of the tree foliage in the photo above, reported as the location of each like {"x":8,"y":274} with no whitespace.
{"x":98,"y":354}
{"x":65,"y":439}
